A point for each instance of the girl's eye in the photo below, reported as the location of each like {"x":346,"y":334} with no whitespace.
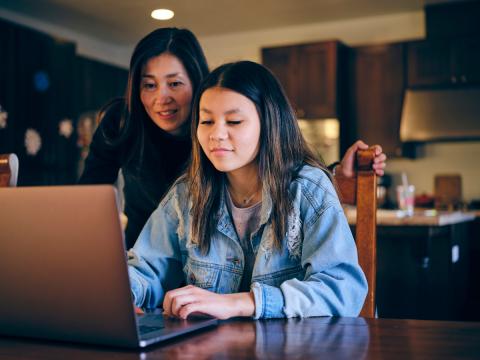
{"x":206,"y":122}
{"x":234,"y":122}
{"x":175,"y":83}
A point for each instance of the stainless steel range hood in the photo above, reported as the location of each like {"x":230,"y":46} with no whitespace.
{"x":435,"y":115}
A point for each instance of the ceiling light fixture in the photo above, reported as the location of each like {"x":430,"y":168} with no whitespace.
{"x":162,"y":14}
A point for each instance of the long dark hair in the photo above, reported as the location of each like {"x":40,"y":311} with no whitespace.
{"x":282,"y":150}
{"x":134,"y":121}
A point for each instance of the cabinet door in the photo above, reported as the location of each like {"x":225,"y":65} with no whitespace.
{"x":376,"y":93}
{"x":429,"y":63}
{"x":317,"y":81}
{"x":466,"y":60}
{"x":282,"y":61}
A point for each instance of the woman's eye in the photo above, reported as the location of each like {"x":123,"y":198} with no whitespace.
{"x":148,"y":86}
{"x":234,"y":122}
{"x":206,"y":122}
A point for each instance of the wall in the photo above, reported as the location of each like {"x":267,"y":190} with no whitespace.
{"x":85,"y":45}
{"x":369,"y":30}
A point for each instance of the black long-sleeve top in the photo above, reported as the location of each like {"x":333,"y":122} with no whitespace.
{"x":146,"y":181}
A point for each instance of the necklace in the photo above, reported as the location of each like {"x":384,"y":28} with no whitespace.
{"x":246,"y":200}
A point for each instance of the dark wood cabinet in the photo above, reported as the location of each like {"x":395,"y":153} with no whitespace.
{"x":445,"y":62}
{"x":466,"y":60}
{"x":376,"y":87}
{"x":423,"y":272}
{"x":282,"y":61}
{"x":318,"y":75}
{"x":309,"y":74}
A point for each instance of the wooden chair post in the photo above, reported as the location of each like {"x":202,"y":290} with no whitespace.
{"x":362,"y":192}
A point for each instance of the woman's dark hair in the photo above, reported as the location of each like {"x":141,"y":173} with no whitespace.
{"x":282,"y":149}
{"x":181,"y":43}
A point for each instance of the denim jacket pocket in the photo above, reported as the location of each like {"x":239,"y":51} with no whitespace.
{"x":201,"y":274}
{"x":278,"y":277}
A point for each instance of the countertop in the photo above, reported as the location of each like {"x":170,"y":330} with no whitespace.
{"x":419,"y":218}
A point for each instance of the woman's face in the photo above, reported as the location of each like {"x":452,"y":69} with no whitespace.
{"x":228,"y":129}
{"x":166,"y":93}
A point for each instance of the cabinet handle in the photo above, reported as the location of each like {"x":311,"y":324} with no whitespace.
{"x":454,"y":79}
{"x":463,"y":78}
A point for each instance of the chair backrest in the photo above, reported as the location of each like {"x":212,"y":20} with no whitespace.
{"x":8,"y":170}
{"x":361,"y":190}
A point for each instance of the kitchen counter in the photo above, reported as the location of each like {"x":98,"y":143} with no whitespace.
{"x":419,"y":218}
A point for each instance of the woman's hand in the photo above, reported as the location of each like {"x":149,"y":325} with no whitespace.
{"x":346,"y":167}
{"x":191,"y":299}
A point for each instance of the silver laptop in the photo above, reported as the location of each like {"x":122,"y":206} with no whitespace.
{"x":63,"y":272}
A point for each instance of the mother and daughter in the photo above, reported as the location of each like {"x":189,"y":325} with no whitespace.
{"x":254,"y":226}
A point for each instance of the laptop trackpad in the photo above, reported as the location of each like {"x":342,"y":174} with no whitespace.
{"x":154,"y":325}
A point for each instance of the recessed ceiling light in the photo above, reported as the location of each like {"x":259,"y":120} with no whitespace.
{"x":162,"y":14}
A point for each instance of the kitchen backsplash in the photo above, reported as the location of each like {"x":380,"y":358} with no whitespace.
{"x":443,"y":158}
{"x":322,"y":135}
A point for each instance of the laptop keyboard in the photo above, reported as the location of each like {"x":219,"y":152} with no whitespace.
{"x":148,"y":323}
{"x":145,"y":329}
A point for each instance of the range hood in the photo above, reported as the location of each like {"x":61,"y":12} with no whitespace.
{"x":436,"y":115}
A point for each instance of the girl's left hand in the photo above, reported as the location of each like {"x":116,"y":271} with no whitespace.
{"x":190,"y":299}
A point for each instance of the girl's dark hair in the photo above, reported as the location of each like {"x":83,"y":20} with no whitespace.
{"x":282,"y":149}
{"x":181,"y":43}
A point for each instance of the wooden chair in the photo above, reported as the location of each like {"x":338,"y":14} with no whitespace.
{"x":8,"y":170}
{"x":361,"y":191}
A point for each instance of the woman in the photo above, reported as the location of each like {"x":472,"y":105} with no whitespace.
{"x":255,"y":227}
{"x":146,"y":135}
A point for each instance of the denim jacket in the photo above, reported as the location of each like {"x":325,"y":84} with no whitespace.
{"x":316,"y":273}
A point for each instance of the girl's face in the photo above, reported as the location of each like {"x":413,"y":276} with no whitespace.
{"x":228,"y":129}
{"x":166,"y":93}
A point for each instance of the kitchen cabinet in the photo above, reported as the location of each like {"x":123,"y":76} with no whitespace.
{"x":376,"y":87}
{"x":310,"y":75}
{"x":452,"y":19}
{"x":473,"y":298}
{"x":445,"y":62}
{"x":424,"y":265}
{"x":422,"y":272}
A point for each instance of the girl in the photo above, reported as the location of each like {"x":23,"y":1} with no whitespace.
{"x":146,"y":135}
{"x":255,"y":227}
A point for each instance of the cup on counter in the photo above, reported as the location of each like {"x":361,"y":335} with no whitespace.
{"x":406,"y":198}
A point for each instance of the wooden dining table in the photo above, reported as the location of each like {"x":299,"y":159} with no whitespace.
{"x":310,"y":338}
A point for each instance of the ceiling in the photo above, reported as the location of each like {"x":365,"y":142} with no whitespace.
{"x":123,"y":22}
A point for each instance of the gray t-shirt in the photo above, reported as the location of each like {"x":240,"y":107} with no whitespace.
{"x":246,"y":221}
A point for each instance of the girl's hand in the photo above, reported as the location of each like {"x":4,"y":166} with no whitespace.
{"x":191,"y":299}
